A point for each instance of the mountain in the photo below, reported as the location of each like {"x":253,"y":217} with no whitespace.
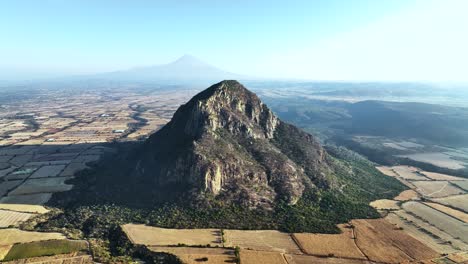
{"x":225,"y":143}
{"x":186,"y":69}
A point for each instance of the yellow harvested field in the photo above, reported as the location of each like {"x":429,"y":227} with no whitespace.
{"x":303,"y":259}
{"x":26,"y":208}
{"x":11,"y":236}
{"x":339,"y":245}
{"x":385,"y":204}
{"x":263,"y":240}
{"x":193,"y":255}
{"x":387,"y":171}
{"x":407,"y":195}
{"x":452,"y":212}
{"x":461,"y":257}
{"x":436,"y":189}
{"x":155,"y":236}
{"x":29,"y":199}
{"x":11,"y":218}
{"x":457,"y":201}
{"x":381,"y":241}
{"x":441,"y":177}
{"x":261,"y":257}
{"x":4,"y":251}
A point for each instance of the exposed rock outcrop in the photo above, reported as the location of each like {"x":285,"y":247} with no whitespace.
{"x":225,"y":143}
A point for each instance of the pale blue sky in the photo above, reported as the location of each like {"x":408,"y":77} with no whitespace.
{"x":322,"y":40}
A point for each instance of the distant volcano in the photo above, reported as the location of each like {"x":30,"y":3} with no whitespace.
{"x":186,"y":69}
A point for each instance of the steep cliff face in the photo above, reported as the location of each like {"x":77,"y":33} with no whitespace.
{"x":225,"y":143}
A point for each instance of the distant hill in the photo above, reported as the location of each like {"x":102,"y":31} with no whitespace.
{"x":186,"y":69}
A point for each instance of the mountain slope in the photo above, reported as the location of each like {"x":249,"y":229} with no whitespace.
{"x":226,"y":143}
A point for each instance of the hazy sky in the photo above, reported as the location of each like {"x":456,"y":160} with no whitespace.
{"x":321,"y":40}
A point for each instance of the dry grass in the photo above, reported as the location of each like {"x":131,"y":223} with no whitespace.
{"x":452,"y":212}
{"x":11,"y":236}
{"x":407,"y":195}
{"x":263,"y":240}
{"x":155,"y":236}
{"x":340,"y":245}
{"x":381,"y":241}
{"x":191,"y":255}
{"x":261,"y":257}
{"x":385,"y":204}
{"x":11,"y":218}
{"x":26,"y":208}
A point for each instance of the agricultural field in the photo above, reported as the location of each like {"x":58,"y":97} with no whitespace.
{"x":450,"y":211}
{"x":34,"y":200}
{"x":73,"y":258}
{"x":461,"y":184}
{"x":42,"y":185}
{"x":47,"y":171}
{"x":45,"y":248}
{"x":12,"y":218}
{"x":381,"y":241}
{"x":155,"y":236}
{"x":409,"y":173}
{"x":302,"y":259}
{"x":457,"y":201}
{"x":326,"y":245}
{"x":385,"y":204}
{"x":450,"y":225}
{"x":262,"y":240}
{"x":407,"y":195}
{"x":194,"y":255}
{"x":438,"y":159}
{"x":428,"y":236}
{"x":441,"y":177}
{"x":261,"y":257}
{"x":10,"y":236}
{"x":436,"y":189}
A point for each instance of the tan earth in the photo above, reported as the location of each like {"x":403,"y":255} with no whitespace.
{"x":263,"y":240}
{"x":339,"y":245}
{"x":193,"y":255}
{"x":155,"y":236}
{"x":261,"y":257}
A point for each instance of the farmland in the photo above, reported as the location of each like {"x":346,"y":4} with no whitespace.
{"x":263,"y":240}
{"x":381,"y":242}
{"x":193,"y":255}
{"x":340,"y":245}
{"x":153,"y":236}
{"x":445,"y":223}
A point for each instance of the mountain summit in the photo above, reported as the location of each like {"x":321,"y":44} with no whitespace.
{"x":226,"y":144}
{"x":186,"y":69}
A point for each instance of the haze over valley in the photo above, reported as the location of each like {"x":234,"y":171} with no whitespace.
{"x":244,"y":132}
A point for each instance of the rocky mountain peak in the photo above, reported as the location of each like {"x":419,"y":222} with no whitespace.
{"x":226,"y":143}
